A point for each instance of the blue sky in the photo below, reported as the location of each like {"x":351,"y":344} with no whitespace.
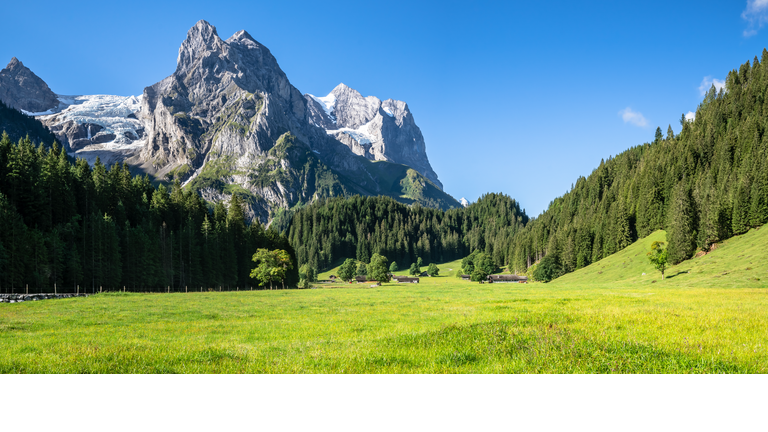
{"x":511,"y":97}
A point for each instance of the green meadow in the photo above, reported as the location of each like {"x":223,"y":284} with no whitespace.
{"x":710,"y":315}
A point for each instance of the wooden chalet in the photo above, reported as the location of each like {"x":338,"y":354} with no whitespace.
{"x":406,"y":279}
{"x":465,"y":277}
{"x":424,"y":274}
{"x":361,"y":279}
{"x":507,"y":279}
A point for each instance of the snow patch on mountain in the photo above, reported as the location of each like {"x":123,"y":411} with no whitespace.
{"x":35,"y":114}
{"x":464,"y":201}
{"x":360,"y":134}
{"x":328,"y":103}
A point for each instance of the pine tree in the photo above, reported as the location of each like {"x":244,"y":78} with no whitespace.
{"x":681,"y":232}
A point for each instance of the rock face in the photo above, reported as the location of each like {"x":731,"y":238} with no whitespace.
{"x":375,"y":129}
{"x":20,"y":88}
{"x":228,"y":121}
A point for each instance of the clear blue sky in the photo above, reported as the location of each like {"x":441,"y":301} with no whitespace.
{"x":511,"y":97}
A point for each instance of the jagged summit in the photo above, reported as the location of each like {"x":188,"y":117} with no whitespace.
{"x":20,"y":88}
{"x":372,"y":128}
{"x":201,"y":38}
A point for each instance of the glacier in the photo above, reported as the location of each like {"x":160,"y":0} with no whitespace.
{"x":120,"y":134}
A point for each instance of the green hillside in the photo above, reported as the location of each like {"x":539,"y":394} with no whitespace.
{"x":739,"y":262}
{"x":18,"y":126}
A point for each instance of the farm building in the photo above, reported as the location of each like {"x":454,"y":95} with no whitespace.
{"x":403,"y":279}
{"x":424,"y":274}
{"x":507,"y":279}
{"x":465,"y":277}
{"x":360,"y":279}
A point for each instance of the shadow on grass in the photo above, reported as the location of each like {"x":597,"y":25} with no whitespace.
{"x":684,"y":272}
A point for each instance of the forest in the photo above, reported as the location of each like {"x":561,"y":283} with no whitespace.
{"x":703,"y":185}
{"x":101,"y":228}
{"x":68,"y":224}
{"x":357,"y":227}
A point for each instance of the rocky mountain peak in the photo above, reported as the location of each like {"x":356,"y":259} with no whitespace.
{"x":201,"y":38}
{"x":372,"y":128}
{"x":242,"y":36}
{"x":20,"y":88}
{"x":343,"y":88}
{"x":13,"y":63}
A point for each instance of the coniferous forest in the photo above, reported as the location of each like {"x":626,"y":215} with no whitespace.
{"x":703,"y":185}
{"x":72,"y":225}
{"x":357,"y":227}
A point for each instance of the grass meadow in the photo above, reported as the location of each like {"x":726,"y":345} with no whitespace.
{"x":595,"y":320}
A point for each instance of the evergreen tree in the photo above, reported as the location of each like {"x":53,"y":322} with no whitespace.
{"x":682,"y":235}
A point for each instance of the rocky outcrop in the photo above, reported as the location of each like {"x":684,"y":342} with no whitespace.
{"x":20,"y":88}
{"x":375,"y":129}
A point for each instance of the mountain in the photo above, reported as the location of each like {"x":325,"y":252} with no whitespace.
{"x":20,"y":88}
{"x":228,"y":121}
{"x":376,"y":130}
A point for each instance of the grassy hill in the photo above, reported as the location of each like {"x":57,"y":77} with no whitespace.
{"x":741,"y":261}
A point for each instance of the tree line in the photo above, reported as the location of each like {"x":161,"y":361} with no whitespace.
{"x":65,"y":223}
{"x":703,"y":185}
{"x":329,"y":230}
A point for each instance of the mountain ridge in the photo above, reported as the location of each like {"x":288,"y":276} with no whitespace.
{"x":227,"y":105}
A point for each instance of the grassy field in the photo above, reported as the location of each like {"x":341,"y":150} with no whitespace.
{"x":586,"y":322}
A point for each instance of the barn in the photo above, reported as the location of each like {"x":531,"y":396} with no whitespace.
{"x":507,"y":279}
{"x":404,"y":279}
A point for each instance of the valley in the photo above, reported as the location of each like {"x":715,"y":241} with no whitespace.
{"x":182,"y":210}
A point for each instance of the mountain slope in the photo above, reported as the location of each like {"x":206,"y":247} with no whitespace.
{"x":19,"y":125}
{"x":702,"y":186}
{"x":739,"y":262}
